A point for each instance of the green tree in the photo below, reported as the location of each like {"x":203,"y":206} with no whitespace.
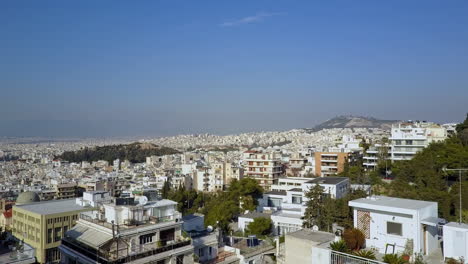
{"x":261,"y":226}
{"x":222,"y":207}
{"x":462,"y":126}
{"x":166,"y":189}
{"x":314,"y":207}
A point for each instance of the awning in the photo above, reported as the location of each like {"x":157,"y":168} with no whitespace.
{"x":430,"y":221}
{"x":89,"y":236}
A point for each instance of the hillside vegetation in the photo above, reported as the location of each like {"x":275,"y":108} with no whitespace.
{"x":135,"y":153}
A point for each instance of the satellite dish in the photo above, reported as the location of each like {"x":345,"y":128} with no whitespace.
{"x":315,"y":228}
{"x":142,"y":200}
{"x":209,"y":228}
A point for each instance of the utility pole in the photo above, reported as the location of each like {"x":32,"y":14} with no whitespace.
{"x":460,"y":180}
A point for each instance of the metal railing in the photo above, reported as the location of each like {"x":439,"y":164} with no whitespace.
{"x":113,"y":258}
{"x":145,"y":220}
{"x":343,"y":258}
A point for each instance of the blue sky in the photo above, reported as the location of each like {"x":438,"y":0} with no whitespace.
{"x":134,"y":68}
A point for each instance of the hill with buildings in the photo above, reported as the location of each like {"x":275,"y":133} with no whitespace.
{"x":354,"y":122}
{"x":135,"y":153}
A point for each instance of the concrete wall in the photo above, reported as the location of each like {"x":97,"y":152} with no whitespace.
{"x":297,"y":251}
{"x":378,"y":230}
{"x":456,"y":242}
{"x":243,"y":223}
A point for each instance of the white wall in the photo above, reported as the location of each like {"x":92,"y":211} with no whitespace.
{"x":455,"y":242}
{"x":243,"y":223}
{"x":378,"y":231}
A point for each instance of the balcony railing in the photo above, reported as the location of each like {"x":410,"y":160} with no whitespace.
{"x":343,"y":258}
{"x":129,"y":223}
{"x":114,"y":258}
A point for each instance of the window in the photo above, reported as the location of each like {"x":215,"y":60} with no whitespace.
{"x":272,"y":202}
{"x":49,"y":235}
{"x":297,"y":199}
{"x":52,"y":255}
{"x":58,"y":234}
{"x":209,"y":250}
{"x":200,"y":252}
{"x":394,"y":228}
{"x":180,"y":259}
{"x":148,"y":238}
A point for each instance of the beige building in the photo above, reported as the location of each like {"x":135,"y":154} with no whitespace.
{"x":6,"y":219}
{"x":304,"y":246}
{"x":232,"y":171}
{"x":42,"y":224}
{"x":265,"y":168}
{"x":65,"y":190}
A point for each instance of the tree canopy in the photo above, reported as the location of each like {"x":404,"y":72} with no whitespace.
{"x":135,"y":153}
{"x":261,"y":226}
{"x":220,"y":208}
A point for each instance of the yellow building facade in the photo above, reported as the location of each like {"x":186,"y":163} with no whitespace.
{"x":43,"y":224}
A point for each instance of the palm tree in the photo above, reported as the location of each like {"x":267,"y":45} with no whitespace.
{"x":339,"y":246}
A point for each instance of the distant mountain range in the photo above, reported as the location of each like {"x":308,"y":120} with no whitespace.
{"x":354,"y":122}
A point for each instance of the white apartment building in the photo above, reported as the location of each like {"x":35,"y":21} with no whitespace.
{"x":406,"y":140}
{"x":207,"y":177}
{"x":265,"y":168}
{"x":287,"y":202}
{"x":127,"y":230}
{"x":409,"y":138}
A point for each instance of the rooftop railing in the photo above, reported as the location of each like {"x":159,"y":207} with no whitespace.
{"x":130,"y":223}
{"x":343,"y":258}
{"x":124,"y":255}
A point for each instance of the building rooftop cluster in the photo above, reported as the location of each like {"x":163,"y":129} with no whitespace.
{"x":114,"y":210}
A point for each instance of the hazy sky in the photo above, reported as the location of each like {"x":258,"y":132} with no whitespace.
{"x":122,"y":68}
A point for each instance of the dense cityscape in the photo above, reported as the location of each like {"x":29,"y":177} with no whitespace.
{"x":250,"y":198}
{"x":233,"y":132}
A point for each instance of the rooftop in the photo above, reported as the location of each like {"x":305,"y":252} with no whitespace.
{"x":328,"y":180}
{"x":392,"y":202}
{"x":52,"y":207}
{"x":192,"y":216}
{"x":281,"y":192}
{"x":458,"y":225}
{"x":318,"y":237}
{"x":253,"y":215}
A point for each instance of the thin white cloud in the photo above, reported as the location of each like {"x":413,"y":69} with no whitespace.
{"x":250,"y":19}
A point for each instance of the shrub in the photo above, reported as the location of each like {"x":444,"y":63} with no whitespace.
{"x":368,"y":254}
{"x":354,"y":238}
{"x":339,"y":246}
{"x":454,"y":261}
{"x":393,"y":259}
{"x":418,"y":259}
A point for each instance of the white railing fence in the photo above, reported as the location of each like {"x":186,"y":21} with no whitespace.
{"x":343,"y":258}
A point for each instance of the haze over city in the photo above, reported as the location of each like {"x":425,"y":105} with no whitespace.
{"x":233,"y":132}
{"x":126,"y":68}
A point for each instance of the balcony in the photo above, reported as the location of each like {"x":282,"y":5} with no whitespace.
{"x":132,"y":223}
{"x":125,"y":256}
{"x":339,"y":257}
{"x":24,"y":255}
